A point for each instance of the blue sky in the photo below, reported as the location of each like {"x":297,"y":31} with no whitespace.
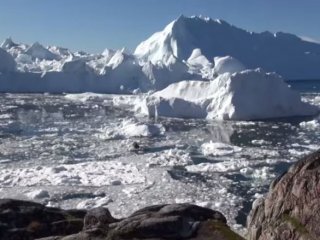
{"x":93,"y":25}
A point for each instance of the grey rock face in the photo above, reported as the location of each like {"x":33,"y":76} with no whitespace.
{"x":291,"y":210}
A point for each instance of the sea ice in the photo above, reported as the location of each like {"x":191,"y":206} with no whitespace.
{"x":82,"y":174}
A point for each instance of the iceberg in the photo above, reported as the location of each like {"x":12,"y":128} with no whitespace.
{"x":8,"y":43}
{"x":284,"y":53}
{"x":245,"y":95}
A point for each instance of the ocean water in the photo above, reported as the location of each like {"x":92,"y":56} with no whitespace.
{"x":76,"y":151}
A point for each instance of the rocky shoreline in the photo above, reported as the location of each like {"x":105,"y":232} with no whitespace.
{"x":291,"y":210}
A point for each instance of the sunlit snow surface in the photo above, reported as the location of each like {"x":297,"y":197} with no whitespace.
{"x":76,"y":151}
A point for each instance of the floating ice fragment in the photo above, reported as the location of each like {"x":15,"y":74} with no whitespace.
{"x":310,"y":124}
{"x":218,"y":149}
{"x":38,"y":194}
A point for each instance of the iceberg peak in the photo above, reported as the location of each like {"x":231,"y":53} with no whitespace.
{"x":8,"y":43}
{"x":36,"y":50}
{"x":215,"y":37}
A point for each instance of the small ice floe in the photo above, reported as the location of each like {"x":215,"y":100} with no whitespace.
{"x":224,"y":166}
{"x":310,"y":124}
{"x":260,"y":142}
{"x":38,"y":194}
{"x":84,"y":97}
{"x":5,"y":116}
{"x":263,"y":173}
{"x":298,"y":153}
{"x":171,"y":157}
{"x":93,"y":203}
{"x":131,"y":129}
{"x":218,"y":149}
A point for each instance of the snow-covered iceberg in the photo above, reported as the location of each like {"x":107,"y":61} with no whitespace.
{"x":284,"y":53}
{"x":245,"y":95}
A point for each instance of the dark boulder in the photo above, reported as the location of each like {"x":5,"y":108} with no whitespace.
{"x":21,"y":220}
{"x":97,"y":221}
{"x":291,"y":210}
{"x":160,"y":222}
{"x":175,"y":221}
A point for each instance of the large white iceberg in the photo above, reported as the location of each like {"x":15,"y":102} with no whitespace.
{"x":245,"y":95}
{"x":284,"y":53}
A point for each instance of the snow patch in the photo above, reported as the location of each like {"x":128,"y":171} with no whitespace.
{"x":227,"y":64}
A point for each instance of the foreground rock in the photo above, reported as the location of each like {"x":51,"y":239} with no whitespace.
{"x":291,"y":210}
{"x":21,"y":220}
{"x":176,"y":221}
{"x":28,"y":220}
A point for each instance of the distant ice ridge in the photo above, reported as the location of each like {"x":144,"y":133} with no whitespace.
{"x":54,"y":69}
{"x":186,"y":49}
{"x":245,"y":95}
